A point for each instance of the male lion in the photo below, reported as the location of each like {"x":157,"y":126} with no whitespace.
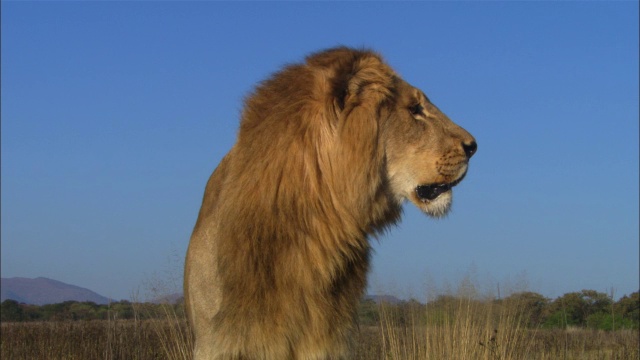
{"x":326,"y":153}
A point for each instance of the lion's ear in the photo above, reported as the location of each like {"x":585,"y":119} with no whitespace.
{"x":367,"y":81}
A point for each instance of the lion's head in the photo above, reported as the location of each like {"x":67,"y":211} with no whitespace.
{"x":427,"y":154}
{"x":423,"y":152}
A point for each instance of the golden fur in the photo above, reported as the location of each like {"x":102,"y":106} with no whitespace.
{"x":326,"y":153}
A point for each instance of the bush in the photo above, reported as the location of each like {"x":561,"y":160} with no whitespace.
{"x":10,"y":310}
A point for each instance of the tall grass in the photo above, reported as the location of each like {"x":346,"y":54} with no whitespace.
{"x":448,"y":327}
{"x":70,"y":340}
{"x":454,"y":328}
{"x":465,"y":328}
{"x":171,"y":329}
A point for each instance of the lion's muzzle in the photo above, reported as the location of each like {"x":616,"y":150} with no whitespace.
{"x":430,"y":192}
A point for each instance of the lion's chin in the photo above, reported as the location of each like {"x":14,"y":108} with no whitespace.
{"x":438,"y":207}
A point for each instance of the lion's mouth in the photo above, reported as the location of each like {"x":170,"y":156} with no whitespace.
{"x":432,"y":191}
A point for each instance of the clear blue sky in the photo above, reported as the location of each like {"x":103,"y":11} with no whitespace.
{"x":115,"y":114}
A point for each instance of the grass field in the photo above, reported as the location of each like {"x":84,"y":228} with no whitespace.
{"x":464,"y":330}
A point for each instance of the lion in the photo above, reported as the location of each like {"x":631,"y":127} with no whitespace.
{"x":327,"y":152}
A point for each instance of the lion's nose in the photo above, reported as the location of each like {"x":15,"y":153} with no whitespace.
{"x":470,"y":149}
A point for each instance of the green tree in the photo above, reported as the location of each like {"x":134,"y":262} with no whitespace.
{"x":599,"y":314}
{"x":32,"y":312}
{"x":59,"y":311}
{"x":122,"y":310}
{"x":629,"y":308}
{"x":574,"y":309}
{"x":10,"y":310}
{"x":532,"y":304}
{"x":605,"y":321}
{"x":567,"y":310}
{"x":596,"y":301}
{"x":83,"y":311}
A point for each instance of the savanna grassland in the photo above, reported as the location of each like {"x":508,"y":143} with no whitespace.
{"x":585,"y":325}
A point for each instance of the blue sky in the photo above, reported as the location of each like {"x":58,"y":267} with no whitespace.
{"x":115,"y":114}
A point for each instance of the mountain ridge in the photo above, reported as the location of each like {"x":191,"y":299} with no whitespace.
{"x":42,"y":291}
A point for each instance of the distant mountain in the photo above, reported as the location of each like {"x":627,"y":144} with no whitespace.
{"x":41,"y":291}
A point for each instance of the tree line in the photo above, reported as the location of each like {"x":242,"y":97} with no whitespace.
{"x":13,"y":311}
{"x":584,"y":309}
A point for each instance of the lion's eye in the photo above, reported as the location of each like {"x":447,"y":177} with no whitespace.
{"x":416,"y":109}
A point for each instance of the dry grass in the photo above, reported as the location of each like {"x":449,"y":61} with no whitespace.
{"x":100,"y":339}
{"x":453,"y":329}
{"x":172,"y":331}
{"x":463,"y":329}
